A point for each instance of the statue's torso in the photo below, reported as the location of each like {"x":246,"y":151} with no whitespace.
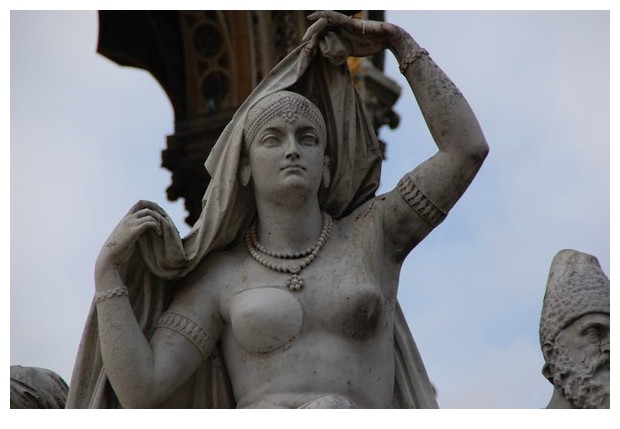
{"x":334,"y":337}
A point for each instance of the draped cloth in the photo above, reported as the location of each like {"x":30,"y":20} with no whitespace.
{"x":315,"y":69}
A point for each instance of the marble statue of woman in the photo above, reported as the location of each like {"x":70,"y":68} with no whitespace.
{"x":283,"y":295}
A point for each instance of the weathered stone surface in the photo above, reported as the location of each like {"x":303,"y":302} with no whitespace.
{"x":574,"y":332}
{"x":37,"y":388}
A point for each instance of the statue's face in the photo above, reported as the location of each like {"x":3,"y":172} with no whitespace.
{"x":581,"y":361}
{"x":286,"y":155}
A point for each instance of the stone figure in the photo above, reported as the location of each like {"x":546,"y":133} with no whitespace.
{"x":574,"y":332}
{"x":283,"y":295}
{"x":33,"y":387}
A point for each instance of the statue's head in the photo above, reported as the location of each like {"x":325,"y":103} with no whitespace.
{"x":284,"y":144}
{"x":574,"y":329}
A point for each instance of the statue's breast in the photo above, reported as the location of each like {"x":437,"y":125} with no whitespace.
{"x":265,"y":319}
{"x":346,"y":301}
{"x":358,"y":313}
{"x":345,"y":292}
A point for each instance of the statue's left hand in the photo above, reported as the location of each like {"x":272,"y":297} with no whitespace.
{"x":121,"y":243}
{"x":365,"y":37}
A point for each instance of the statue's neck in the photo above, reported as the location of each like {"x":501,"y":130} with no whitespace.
{"x":289,"y":229}
{"x":558,"y":401}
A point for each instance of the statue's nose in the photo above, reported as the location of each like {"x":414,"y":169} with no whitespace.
{"x":292,"y":150}
{"x":605,"y":346}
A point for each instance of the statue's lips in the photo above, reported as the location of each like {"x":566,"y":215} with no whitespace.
{"x":296,"y":167}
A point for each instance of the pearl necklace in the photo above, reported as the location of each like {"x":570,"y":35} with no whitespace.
{"x":258,"y":252}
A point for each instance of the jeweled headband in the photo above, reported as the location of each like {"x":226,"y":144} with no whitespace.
{"x":287,"y":104}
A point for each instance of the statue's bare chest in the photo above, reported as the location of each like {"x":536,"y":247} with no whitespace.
{"x":342,"y":296}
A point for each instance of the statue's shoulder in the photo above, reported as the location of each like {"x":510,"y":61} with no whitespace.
{"x":369,"y":212}
{"x":218,"y":266}
{"x":364,"y":221}
{"x":206,"y":283}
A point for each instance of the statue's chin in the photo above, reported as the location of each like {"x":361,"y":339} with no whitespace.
{"x":291,"y":191}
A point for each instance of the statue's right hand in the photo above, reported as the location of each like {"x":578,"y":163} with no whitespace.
{"x":365,"y":37}
{"x":121,"y":243}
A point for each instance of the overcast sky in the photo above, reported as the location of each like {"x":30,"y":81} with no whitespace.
{"x":86,"y":140}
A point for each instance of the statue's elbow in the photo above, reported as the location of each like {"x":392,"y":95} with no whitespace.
{"x":479,"y":151}
{"x":137,"y":397}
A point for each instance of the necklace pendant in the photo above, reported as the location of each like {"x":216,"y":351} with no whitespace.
{"x":295,"y":282}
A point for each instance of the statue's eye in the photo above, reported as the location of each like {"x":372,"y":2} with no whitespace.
{"x":270,"y":140}
{"x":592,"y":332}
{"x":308,"y":139}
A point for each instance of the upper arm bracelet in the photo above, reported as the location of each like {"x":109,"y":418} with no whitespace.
{"x":188,"y":328}
{"x":420,"y":202}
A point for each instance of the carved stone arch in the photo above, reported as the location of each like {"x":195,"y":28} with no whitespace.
{"x":220,"y":60}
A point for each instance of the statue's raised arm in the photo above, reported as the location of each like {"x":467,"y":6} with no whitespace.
{"x":433,"y":187}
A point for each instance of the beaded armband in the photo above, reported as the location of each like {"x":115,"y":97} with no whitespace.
{"x":411,"y":58}
{"x":420,"y":202}
{"x":186,"y":327}
{"x":117,"y":291}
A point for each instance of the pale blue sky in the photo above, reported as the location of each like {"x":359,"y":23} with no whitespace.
{"x":86,"y":137}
